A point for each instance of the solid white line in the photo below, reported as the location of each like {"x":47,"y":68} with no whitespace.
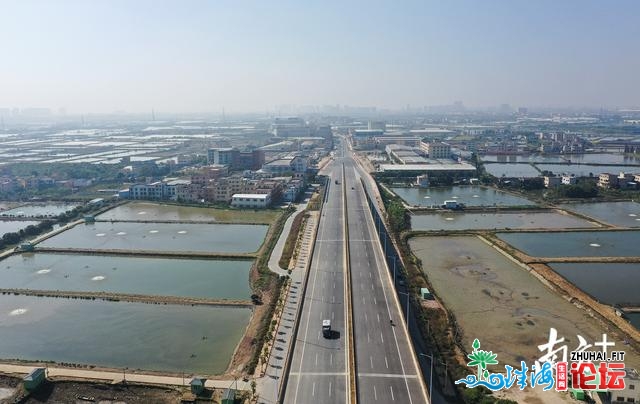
{"x":317,"y":374}
{"x":388,"y":375}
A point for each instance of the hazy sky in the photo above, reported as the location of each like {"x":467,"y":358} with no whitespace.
{"x":193,"y":56}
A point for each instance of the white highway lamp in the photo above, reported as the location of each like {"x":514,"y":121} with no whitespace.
{"x":430,"y":374}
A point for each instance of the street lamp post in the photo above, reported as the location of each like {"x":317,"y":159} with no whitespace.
{"x":430,"y":374}
{"x":406,"y":294}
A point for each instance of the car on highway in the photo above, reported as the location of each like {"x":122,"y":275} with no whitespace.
{"x":326,"y":328}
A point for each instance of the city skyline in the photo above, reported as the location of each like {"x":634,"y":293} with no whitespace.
{"x":198,"y":56}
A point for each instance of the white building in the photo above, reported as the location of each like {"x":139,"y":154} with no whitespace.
{"x":569,"y":180}
{"x":631,"y":392}
{"x":436,"y":150}
{"x":255,"y":201}
{"x":293,"y":164}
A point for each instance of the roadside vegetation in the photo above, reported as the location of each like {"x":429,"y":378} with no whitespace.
{"x":292,"y":239}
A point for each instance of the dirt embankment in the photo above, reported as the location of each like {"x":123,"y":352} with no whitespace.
{"x":127,"y":297}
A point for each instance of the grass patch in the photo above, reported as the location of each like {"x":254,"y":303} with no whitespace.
{"x":292,"y":238}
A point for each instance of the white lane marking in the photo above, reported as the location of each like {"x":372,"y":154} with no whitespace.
{"x":329,"y":388}
{"x":372,"y":286}
{"x":392,"y":397}
{"x":368,"y":337}
{"x":371,"y":361}
{"x":313,"y":389}
{"x":316,"y":359}
{"x":386,"y":362}
{"x":363,"y":300}
{"x":385,"y":375}
{"x":375,"y":393}
{"x":382,"y":338}
{"x":365,"y":317}
{"x":333,"y":315}
{"x":377,"y":252}
{"x":375,"y":301}
{"x":370,"y":275}
{"x":313,"y":288}
{"x":331,"y":359}
{"x":377,"y":314}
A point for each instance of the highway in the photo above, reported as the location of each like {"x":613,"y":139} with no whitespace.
{"x":386,"y":368}
{"x":318,"y":372}
{"x":385,"y":365}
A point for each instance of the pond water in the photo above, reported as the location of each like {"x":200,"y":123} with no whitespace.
{"x":576,"y":244}
{"x":229,"y":238}
{"x":625,"y":214}
{"x":36,"y":210}
{"x":219,"y":279}
{"x":515,"y":220}
{"x":502,"y":158}
{"x":157,"y":212}
{"x":511,"y":170}
{"x":606,"y":282}
{"x":14,"y":226}
{"x":119,"y":334}
{"x":585,"y":170}
{"x":470,"y":195}
{"x":150,"y":212}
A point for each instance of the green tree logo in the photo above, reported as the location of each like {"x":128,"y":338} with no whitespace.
{"x":481,"y":359}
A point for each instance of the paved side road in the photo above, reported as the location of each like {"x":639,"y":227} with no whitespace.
{"x":110,"y":376}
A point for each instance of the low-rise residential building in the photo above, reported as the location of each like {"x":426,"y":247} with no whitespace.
{"x":254,"y":201}
{"x":607,"y":180}
{"x":552,"y":181}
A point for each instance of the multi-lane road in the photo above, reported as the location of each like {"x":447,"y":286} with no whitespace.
{"x":318,"y":371}
{"x":385,"y":368}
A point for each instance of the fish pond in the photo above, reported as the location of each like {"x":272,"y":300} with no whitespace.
{"x":215,"y":238}
{"x":134,"y":335}
{"x":625,"y":214}
{"x":470,"y":195}
{"x":215,"y":279}
{"x":512,"y":220}
{"x":610,"y":283}
{"x":576,"y":244}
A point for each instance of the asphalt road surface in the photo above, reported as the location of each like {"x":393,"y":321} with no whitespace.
{"x":318,"y":372}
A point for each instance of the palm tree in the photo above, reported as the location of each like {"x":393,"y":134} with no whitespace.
{"x":481,"y":359}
